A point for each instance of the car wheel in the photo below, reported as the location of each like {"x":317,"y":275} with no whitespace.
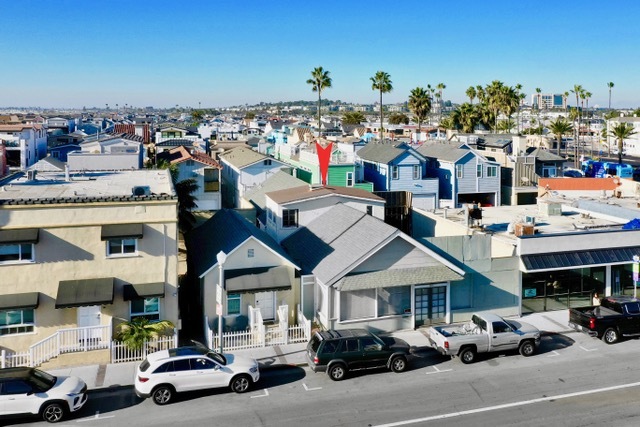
{"x":468,"y":355}
{"x":398,"y":364}
{"x":610,"y":336}
{"x":527,"y":348}
{"x":241,"y":383}
{"x":162,"y":395}
{"x":53,"y":412}
{"x":337,"y":372}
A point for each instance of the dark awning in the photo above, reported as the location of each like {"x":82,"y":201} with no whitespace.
{"x":25,"y":235}
{"x":258,"y":279}
{"x":398,"y":277}
{"x":121,"y":231}
{"x":78,"y":293}
{"x":576,"y":259}
{"x":143,"y":290}
{"x":25,"y":300}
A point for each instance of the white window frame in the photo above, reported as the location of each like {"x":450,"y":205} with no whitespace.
{"x":416,"y":172}
{"x":122,"y":254}
{"x":296,"y":218}
{"x":151,"y":315}
{"x":18,"y":328}
{"x":395,"y":172}
{"x":19,"y":249}
{"x":251,"y":253}
{"x":492,"y":171}
{"x":234,"y":297}
{"x":349,"y":177}
{"x":479,"y":170}
{"x":459,"y":171}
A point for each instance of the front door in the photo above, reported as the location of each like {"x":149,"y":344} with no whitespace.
{"x":430,"y":305}
{"x":264,"y":301}
{"x":90,"y":317}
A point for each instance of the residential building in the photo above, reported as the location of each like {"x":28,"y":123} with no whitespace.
{"x":108,"y":152}
{"x":25,"y":144}
{"x":548,"y":101}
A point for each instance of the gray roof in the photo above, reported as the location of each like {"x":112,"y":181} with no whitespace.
{"x":546,"y":156}
{"x":279,"y":181}
{"x":380,"y":153}
{"x":444,"y":151}
{"x":398,"y":277}
{"x":224,"y":231}
{"x":242,"y":156}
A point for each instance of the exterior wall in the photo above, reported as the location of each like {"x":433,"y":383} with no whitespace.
{"x":70,"y":248}
{"x":247,"y":178}
{"x":395,"y":255}
{"x":206,"y":200}
{"x":562,"y":242}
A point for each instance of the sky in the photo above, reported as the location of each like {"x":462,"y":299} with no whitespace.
{"x":219,"y":53}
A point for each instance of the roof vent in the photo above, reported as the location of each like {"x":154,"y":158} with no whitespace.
{"x":141,"y":190}
{"x":31,"y":174}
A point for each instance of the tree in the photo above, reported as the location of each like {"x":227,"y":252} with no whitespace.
{"x":353,"y":118}
{"x":250,"y":115}
{"x":135,"y":333}
{"x":319,"y":81}
{"x":610,"y":86}
{"x":466,"y":117}
{"x":471,"y":93}
{"x":559,"y":128}
{"x":622,"y":131}
{"x":398,"y":118}
{"x":184,"y":192}
{"x":440,"y":87}
{"x":420,"y":105}
{"x":381,"y":82}
{"x":506,"y":125}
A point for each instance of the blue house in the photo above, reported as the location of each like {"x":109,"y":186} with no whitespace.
{"x":465,"y":175}
{"x":399,"y":167}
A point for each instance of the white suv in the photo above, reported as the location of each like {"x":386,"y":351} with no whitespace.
{"x":25,"y":390}
{"x":166,"y":372}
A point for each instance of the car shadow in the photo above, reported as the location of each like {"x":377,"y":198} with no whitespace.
{"x":551,"y":341}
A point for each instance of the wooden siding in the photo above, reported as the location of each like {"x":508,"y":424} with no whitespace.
{"x":396,"y":254}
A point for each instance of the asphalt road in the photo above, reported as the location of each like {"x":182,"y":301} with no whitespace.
{"x":574,"y":380}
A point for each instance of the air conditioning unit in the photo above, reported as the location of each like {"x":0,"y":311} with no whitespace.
{"x":141,"y":190}
{"x":530,"y":220}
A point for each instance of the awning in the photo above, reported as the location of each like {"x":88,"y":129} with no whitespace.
{"x":398,"y":277}
{"x":25,"y":235}
{"x":24,"y":300}
{"x":143,"y":290}
{"x":577,"y":259}
{"x":258,"y":279}
{"x":121,"y":231}
{"x":78,"y":293}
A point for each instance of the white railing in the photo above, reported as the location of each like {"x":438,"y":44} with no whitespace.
{"x":10,"y":359}
{"x":239,"y":340}
{"x":121,"y":353}
{"x":68,"y":341}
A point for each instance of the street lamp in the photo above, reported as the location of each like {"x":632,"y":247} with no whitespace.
{"x":221,"y":257}
{"x":636,"y":271}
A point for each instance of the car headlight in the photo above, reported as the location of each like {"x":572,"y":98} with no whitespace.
{"x":253,"y":370}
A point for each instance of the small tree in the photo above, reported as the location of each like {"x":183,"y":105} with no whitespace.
{"x":136,"y":332}
{"x":621,"y":131}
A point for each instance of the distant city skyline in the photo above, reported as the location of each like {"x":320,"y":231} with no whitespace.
{"x":74,"y":54}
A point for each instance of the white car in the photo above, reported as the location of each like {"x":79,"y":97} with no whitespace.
{"x":25,"y":390}
{"x":164,"y":373}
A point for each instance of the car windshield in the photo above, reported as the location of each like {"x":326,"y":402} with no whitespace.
{"x":217,"y":357}
{"x":42,"y":380}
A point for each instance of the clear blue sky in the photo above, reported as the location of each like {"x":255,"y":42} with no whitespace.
{"x":74,"y":53}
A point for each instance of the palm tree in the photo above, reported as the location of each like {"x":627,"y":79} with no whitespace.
{"x":622,"y":131}
{"x":184,"y":192}
{"x":381,"y":81}
{"x":440,"y":87}
{"x":560,"y":127}
{"x":471,"y":93}
{"x":577,"y":90}
{"x":135,"y":333}
{"x":610,"y":86}
{"x":420,"y":105}
{"x":466,"y":117}
{"x":494,"y":94}
{"x":353,"y":118}
{"x":319,"y":81}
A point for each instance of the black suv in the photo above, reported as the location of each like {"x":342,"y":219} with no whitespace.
{"x":338,"y":352}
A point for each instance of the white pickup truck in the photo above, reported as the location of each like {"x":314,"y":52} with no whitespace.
{"x":486,"y":332}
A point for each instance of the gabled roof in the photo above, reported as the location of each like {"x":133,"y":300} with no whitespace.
{"x":306,"y":192}
{"x":444,"y":151}
{"x":279,"y":181}
{"x":181,"y":154}
{"x":48,"y":164}
{"x":173,"y":142}
{"x":545,"y":155}
{"x":224,"y":231}
{"x":381,"y":153}
{"x":240,"y":157}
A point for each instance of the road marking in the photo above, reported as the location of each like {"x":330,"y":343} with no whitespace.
{"x":437,"y":371}
{"x":588,"y":349}
{"x":266,"y":393}
{"x":312,"y":388}
{"x":95,"y":417}
{"x":509,"y":405}
{"x":555,"y":353}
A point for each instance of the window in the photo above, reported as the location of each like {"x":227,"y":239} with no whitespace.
{"x":350,"y":345}
{"x":500,"y":327}
{"x":121,"y":247}
{"x":349,"y":179}
{"x":492,"y":171}
{"x":289,"y":218}
{"x":479,"y":171}
{"x":148,"y":308}
{"x":190,"y":162}
{"x":395,"y":172}
{"x":211,"y":180}
{"x":267,"y":162}
{"x":394,"y":300}
{"x":18,"y":321}
{"x":233,"y":303}
{"x":459,"y":171}
{"x":416,"y":172}
{"x":370,"y":344}
{"x":16,"y":387}
{"x":369,"y":210}
{"x":357,"y":304}
{"x":19,"y":252}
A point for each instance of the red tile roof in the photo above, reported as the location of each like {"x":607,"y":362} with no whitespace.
{"x":579,"y":184}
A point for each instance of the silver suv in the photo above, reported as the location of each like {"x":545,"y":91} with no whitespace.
{"x":25,"y":390}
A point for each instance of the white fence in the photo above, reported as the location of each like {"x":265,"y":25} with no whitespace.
{"x":10,"y":359}
{"x":121,"y":353}
{"x":258,"y":335}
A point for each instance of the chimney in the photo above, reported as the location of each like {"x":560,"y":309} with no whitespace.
{"x":66,"y":173}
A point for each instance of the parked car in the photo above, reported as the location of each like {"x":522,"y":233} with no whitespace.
{"x":339,"y":351}
{"x":167,"y":372}
{"x":613,"y":318}
{"x":486,"y":332}
{"x":25,"y":390}
{"x":573,"y":173}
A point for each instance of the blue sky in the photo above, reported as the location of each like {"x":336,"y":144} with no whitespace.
{"x":73,"y":53}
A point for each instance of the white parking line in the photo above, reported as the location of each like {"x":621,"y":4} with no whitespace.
{"x":508,"y":405}
{"x":266,"y":393}
{"x":95,"y":417}
{"x":555,"y":353}
{"x":311,"y":388}
{"x":437,"y":371}
{"x":588,"y":349}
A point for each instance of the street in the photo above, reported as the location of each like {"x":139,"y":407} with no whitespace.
{"x":574,"y":380}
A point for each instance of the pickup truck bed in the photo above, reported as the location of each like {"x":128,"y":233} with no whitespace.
{"x":614,"y":318}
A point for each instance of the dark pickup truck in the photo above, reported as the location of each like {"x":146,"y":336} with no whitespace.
{"x":613,"y":318}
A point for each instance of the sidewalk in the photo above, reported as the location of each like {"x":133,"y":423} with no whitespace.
{"x":123,"y":374}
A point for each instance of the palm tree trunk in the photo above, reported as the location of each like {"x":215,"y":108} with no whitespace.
{"x":381,"y":127}
{"x":319,"y":107}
